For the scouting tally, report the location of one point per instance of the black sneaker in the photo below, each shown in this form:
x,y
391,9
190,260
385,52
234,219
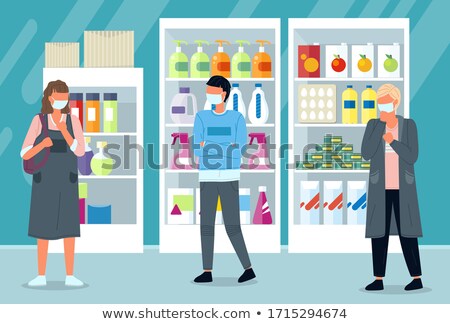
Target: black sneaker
x,y
376,285
204,277
248,274
415,284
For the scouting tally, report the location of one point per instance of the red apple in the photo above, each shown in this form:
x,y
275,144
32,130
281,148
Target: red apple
x,y
338,64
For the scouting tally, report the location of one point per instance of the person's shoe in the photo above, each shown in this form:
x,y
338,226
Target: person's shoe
x,y
204,277
376,285
248,274
39,281
73,282
415,284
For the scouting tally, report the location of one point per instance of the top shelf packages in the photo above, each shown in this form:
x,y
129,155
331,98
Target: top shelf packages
x,y
345,61
201,65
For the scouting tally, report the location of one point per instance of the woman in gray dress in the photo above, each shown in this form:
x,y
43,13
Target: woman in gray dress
x,y
57,136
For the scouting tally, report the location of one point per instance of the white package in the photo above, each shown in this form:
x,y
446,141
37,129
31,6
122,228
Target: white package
x,y
332,202
356,202
180,206
363,61
389,61
309,203
340,54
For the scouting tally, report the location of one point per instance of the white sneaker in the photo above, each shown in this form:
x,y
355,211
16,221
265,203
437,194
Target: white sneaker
x,y
39,281
73,281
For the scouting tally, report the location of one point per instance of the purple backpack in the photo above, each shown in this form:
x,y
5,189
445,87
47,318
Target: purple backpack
x,y
32,166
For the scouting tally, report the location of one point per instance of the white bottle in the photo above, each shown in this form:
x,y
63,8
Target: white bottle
x,y
235,101
258,111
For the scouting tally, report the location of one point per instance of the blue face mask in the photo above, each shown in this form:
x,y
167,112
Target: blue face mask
x,y
388,107
59,104
214,99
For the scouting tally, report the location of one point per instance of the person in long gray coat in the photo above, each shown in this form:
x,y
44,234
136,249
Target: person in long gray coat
x,y
391,145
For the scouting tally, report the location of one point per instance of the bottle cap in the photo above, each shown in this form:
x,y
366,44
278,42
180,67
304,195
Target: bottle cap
x,y
235,85
369,86
110,96
75,96
258,85
101,144
349,86
262,188
87,139
92,96
184,89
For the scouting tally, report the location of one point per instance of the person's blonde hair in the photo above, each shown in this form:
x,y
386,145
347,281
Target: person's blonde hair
x,y
391,90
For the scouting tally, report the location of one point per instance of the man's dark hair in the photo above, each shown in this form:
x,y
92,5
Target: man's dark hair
x,y
220,82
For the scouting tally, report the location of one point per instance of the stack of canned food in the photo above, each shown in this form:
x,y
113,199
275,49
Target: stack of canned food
x,y
333,154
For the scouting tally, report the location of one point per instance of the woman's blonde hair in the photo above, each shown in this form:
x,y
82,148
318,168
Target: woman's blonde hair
x,y
391,90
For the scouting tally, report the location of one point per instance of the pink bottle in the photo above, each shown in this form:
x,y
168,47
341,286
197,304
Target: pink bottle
x,y
261,155
262,211
182,159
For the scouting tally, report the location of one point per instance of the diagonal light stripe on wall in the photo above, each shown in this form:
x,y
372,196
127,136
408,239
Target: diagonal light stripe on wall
x,y
331,9
70,30
356,9
374,9
5,138
421,36
129,17
16,50
389,8
403,8
417,10
244,8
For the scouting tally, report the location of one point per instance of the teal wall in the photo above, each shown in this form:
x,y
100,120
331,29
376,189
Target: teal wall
x,y
26,25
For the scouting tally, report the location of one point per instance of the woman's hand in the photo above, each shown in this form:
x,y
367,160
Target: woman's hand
x,y
61,125
47,142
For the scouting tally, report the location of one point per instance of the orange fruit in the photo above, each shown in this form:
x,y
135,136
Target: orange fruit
x,y
311,65
364,64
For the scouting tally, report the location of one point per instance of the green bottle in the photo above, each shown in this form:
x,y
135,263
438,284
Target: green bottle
x,y
241,63
200,61
178,62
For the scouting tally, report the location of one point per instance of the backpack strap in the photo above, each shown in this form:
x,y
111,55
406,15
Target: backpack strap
x,y
44,124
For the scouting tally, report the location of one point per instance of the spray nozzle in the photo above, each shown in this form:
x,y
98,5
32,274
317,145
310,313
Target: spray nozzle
x,y
179,42
262,42
184,138
260,138
240,42
221,41
200,42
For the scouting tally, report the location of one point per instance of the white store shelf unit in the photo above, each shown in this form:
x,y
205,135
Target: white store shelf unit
x,y
345,238
123,188
186,238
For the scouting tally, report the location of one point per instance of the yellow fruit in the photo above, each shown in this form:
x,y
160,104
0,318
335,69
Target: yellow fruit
x,y
364,64
311,65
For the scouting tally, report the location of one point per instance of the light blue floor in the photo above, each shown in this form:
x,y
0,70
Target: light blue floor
x,y
167,278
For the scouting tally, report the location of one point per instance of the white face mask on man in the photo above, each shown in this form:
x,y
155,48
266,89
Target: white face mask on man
x,y
214,99
59,104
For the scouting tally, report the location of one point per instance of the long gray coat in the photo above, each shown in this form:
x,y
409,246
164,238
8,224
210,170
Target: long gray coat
x,y
407,148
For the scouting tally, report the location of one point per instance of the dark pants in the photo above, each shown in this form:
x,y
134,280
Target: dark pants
x,y
229,199
410,245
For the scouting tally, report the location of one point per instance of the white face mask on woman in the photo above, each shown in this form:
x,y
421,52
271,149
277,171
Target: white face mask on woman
x,y
388,107
59,104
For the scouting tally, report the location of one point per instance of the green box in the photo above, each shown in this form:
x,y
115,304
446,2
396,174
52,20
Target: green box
x,y
343,165
352,157
82,190
304,165
314,157
363,165
330,139
333,157
343,148
327,166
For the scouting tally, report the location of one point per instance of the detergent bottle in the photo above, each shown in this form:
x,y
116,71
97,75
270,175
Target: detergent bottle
x,y
349,106
178,62
182,157
258,111
241,64
262,211
259,159
262,63
183,107
220,63
84,162
200,61
368,104
235,101
102,164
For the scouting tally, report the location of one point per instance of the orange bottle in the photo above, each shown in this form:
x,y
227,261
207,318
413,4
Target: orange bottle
x,y
220,62
92,112
262,63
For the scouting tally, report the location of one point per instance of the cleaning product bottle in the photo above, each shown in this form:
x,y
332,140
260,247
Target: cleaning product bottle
x,y
182,158
262,211
368,104
183,107
235,101
200,61
262,64
220,63
349,106
259,159
84,162
178,62
258,111
102,164
241,64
